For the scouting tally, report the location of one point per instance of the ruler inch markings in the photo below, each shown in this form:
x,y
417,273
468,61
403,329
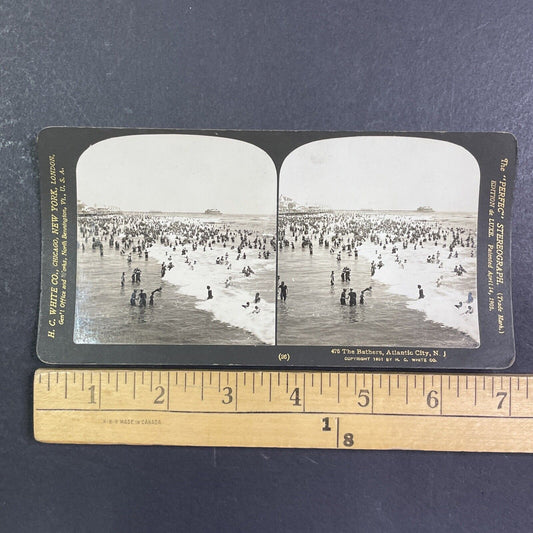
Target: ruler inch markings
x,y
510,396
441,394
168,389
303,395
236,390
372,393
60,411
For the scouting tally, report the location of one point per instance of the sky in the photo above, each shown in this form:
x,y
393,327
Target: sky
x,y
177,173
382,173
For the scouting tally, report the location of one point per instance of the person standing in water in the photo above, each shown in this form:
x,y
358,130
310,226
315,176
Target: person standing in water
x,y
283,291
332,278
343,297
420,292
133,297
123,279
209,293
362,295
142,299
352,295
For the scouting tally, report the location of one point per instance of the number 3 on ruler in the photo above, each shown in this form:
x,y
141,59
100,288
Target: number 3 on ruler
x,y
228,398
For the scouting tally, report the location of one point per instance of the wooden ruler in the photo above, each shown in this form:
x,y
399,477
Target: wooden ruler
x,y
290,409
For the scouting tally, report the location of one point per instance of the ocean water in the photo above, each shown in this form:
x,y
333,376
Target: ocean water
x,y
392,314
181,314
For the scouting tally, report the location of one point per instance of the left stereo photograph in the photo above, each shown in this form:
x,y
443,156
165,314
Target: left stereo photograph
x,y
175,233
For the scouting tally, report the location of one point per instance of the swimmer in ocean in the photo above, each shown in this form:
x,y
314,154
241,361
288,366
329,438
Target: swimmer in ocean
x,y
362,295
343,297
142,299
420,292
283,291
352,295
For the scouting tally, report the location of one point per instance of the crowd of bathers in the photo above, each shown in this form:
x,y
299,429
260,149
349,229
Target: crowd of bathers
x,y
393,238
345,232
134,235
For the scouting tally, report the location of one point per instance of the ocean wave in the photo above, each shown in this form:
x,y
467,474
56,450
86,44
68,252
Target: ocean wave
x,y
440,299
226,306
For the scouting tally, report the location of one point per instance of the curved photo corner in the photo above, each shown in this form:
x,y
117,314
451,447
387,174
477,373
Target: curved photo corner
x,y
378,244
176,242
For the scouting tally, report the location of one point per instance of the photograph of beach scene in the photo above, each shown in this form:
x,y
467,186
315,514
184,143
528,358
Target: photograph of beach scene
x,y
377,244
176,242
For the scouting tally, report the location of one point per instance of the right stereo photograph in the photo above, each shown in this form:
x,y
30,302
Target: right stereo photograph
x,y
377,242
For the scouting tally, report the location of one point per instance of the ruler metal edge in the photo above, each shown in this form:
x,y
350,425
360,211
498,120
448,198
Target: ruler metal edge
x,y
285,408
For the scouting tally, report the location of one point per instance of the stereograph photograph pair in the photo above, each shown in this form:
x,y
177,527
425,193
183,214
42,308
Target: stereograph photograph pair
x,y
267,248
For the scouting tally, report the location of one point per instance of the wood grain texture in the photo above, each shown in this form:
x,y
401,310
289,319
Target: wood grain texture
x,y
288,409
